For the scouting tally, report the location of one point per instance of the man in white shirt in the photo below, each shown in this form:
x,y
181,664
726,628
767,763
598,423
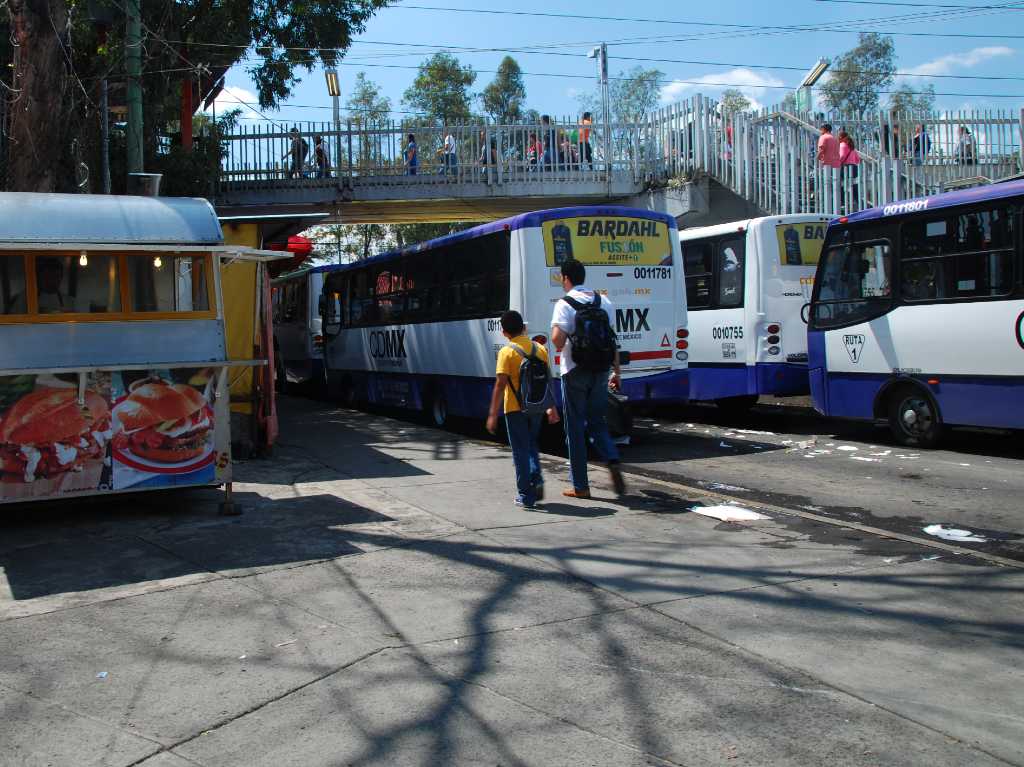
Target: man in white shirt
x,y
449,152
584,391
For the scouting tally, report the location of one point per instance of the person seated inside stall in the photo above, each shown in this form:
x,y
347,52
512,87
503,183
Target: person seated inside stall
x,y
51,295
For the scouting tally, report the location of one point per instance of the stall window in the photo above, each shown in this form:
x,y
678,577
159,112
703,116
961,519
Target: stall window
x,y
87,284
958,256
169,283
698,256
12,285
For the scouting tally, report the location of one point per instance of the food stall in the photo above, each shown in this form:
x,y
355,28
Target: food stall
x,y
114,370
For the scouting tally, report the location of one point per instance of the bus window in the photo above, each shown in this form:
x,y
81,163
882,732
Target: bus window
x,y
12,285
164,283
698,256
853,284
389,295
958,255
731,265
334,287
361,302
423,295
82,285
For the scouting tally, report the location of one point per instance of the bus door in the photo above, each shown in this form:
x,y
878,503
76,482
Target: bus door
x,y
290,327
715,270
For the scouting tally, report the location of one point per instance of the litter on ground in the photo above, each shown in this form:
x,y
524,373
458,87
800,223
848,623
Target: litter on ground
x,y
728,513
953,534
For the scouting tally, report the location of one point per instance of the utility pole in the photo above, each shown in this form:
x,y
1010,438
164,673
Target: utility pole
x,y
133,67
601,54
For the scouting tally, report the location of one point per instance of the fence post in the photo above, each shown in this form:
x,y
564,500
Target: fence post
x,y
348,137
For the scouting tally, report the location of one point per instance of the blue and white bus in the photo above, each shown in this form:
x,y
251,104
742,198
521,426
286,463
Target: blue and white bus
x,y
298,336
917,315
746,283
419,327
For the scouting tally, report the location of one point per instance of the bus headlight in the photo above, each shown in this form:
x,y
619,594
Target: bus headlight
x,y
682,356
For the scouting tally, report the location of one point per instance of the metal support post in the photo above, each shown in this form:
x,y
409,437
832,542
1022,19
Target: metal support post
x,y
105,135
133,67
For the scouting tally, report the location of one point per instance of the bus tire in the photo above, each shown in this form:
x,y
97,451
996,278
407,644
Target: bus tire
x,y
437,408
736,405
914,417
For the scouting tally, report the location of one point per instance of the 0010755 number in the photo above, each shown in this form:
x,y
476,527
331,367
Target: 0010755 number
x,y
652,273
729,332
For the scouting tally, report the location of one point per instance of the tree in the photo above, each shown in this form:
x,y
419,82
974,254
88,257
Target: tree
x,y
733,101
503,98
860,74
441,89
367,107
633,95
61,53
906,100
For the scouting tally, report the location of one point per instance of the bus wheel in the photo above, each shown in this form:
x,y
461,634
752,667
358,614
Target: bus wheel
x,y
736,405
913,419
438,409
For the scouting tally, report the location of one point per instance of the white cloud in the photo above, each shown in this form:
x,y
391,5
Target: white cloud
x,y
952,62
756,86
574,93
230,97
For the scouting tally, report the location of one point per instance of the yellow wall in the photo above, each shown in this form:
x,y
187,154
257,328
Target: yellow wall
x,y
238,282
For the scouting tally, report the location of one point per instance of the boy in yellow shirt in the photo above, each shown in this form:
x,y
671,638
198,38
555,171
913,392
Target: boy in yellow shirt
x,y
523,427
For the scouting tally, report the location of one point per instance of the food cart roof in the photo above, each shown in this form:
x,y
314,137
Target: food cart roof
x,y
107,219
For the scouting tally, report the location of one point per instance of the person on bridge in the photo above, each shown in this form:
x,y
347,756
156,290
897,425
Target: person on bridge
x,y
298,149
448,153
828,148
849,162
412,160
321,158
525,405
588,351
585,152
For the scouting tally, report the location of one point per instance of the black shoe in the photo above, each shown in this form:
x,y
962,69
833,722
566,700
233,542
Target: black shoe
x,y
538,491
618,483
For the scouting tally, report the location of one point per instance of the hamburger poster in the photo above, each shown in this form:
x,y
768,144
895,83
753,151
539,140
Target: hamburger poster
x,y
163,425
51,442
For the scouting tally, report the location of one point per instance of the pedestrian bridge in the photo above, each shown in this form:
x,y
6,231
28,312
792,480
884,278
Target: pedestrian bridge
x,y
765,160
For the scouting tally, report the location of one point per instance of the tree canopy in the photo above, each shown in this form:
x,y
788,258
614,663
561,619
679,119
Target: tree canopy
x,y
906,100
860,74
733,101
503,98
441,89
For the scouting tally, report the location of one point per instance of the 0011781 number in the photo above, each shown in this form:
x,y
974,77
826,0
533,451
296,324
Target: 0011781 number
x,y
726,333
493,325
652,273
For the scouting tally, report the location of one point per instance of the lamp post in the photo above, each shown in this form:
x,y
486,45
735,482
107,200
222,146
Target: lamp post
x,y
601,54
804,98
334,91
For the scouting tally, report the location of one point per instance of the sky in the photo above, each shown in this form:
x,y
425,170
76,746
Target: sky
x,y
949,38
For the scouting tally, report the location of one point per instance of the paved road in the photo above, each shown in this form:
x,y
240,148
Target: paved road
x,y
382,602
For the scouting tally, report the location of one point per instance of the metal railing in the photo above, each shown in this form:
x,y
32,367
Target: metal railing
x,y
768,157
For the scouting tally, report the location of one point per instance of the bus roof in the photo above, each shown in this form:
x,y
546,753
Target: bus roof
x,y
303,270
521,221
107,219
945,200
716,230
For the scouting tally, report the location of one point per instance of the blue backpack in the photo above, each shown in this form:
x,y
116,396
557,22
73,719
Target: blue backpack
x,y
534,379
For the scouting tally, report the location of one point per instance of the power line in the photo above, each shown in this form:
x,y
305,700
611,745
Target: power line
x,y
923,5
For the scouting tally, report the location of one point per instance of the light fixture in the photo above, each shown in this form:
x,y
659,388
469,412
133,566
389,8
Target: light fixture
x,y
816,72
158,262
83,259
333,88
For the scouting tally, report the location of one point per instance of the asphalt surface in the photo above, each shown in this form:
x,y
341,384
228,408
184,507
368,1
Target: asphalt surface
x,y
382,602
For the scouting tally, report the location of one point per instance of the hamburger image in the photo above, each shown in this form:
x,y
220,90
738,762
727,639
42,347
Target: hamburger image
x,y
163,423
49,440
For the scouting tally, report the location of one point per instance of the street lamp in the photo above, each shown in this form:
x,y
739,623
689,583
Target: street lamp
x,y
334,91
601,54
804,101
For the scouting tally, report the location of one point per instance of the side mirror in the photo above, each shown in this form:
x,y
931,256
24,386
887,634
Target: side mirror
x,y
805,312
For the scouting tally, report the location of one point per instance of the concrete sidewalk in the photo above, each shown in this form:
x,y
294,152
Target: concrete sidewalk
x,y
382,602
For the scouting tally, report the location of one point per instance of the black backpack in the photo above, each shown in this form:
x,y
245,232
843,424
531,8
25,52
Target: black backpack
x,y
593,341
534,378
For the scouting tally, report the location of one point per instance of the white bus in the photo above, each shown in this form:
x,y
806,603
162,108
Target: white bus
x,y
917,316
298,336
746,283
419,328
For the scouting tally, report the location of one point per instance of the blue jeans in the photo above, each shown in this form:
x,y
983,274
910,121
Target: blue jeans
x,y
584,406
523,431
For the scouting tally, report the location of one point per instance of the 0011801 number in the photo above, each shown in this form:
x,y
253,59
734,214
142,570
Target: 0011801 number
x,y
726,333
652,273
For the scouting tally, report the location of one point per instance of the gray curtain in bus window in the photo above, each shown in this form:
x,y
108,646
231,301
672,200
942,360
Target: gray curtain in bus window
x,y
731,267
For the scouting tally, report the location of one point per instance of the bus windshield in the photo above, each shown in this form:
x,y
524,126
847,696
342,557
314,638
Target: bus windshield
x,y
853,284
